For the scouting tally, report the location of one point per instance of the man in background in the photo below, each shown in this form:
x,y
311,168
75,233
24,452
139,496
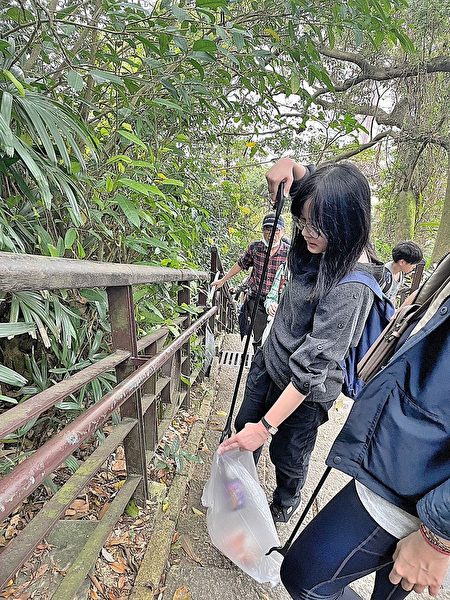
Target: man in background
x,y
405,257
253,258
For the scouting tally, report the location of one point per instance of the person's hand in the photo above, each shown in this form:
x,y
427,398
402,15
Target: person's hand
x,y
250,438
418,566
284,171
272,309
219,283
281,172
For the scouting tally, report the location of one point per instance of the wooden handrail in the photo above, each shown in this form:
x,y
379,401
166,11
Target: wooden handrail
x,y
27,272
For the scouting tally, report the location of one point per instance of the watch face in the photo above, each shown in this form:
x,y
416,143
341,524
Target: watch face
x,y
270,428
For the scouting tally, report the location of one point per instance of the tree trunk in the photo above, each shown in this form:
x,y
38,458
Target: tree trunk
x,y
406,204
442,244
406,216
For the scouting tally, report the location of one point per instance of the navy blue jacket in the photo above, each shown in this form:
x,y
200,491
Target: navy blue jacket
x,y
396,440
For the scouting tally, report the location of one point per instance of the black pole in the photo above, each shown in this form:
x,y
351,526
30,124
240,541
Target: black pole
x,y
278,208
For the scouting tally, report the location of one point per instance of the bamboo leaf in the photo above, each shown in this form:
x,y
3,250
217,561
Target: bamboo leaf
x,y
69,238
75,81
16,83
129,209
132,137
143,188
105,77
12,329
11,377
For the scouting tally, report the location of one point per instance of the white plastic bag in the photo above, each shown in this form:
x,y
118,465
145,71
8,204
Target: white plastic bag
x,y
210,349
239,521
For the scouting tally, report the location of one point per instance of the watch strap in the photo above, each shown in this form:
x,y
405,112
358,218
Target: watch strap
x,y
270,428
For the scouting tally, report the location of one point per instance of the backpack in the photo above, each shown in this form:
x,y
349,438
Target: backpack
x,y
379,316
407,315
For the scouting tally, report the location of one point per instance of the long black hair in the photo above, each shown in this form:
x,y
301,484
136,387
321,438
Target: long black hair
x,y
340,209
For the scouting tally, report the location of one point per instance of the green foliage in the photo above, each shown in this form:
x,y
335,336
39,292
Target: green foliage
x,y
133,133
173,456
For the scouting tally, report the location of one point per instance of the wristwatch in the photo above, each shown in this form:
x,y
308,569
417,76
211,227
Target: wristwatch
x,y
270,428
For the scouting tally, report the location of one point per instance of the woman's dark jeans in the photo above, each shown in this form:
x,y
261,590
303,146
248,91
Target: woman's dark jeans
x,y
290,448
342,544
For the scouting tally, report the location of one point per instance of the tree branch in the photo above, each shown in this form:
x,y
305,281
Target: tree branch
x,y
438,64
349,153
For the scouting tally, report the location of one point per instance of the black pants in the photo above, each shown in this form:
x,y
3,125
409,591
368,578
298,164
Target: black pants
x,y
342,544
290,448
260,321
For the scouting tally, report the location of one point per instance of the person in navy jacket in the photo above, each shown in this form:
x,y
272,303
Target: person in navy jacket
x,y
394,516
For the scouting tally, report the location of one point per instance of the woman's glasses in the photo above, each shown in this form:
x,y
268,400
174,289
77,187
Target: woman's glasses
x,y
301,223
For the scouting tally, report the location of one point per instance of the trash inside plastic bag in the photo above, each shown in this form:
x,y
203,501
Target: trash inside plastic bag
x,y
239,521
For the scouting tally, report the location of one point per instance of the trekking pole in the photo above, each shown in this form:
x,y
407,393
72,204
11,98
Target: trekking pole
x,y
283,549
278,208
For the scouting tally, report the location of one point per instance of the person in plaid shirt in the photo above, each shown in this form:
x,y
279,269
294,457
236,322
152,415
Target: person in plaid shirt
x,y
253,258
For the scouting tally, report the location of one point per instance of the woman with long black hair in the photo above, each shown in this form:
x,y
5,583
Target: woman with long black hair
x,y
295,378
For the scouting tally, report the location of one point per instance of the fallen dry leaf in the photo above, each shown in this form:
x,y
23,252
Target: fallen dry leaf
x,y
98,490
97,584
175,537
182,593
108,556
15,519
118,465
187,547
122,540
197,512
80,505
42,569
118,567
10,532
103,510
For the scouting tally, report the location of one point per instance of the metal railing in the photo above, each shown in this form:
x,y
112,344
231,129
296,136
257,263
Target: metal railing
x,y
151,374
222,298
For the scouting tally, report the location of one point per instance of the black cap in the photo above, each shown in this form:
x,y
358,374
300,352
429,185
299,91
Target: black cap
x,y
269,221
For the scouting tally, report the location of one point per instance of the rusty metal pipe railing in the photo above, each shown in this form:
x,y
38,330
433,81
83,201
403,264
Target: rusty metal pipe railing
x,y
29,474
20,414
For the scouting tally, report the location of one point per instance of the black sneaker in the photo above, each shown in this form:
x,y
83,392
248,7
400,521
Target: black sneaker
x,y
282,514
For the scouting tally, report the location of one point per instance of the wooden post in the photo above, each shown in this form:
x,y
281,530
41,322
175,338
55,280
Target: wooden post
x,y
201,301
151,414
123,329
184,296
